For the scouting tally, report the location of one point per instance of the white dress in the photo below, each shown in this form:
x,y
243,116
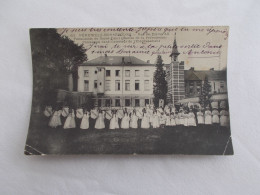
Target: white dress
x,y
224,119
70,121
215,117
114,122
186,118
125,122
168,120
173,122
55,119
191,119
208,118
85,121
100,124
200,118
156,122
145,122
133,121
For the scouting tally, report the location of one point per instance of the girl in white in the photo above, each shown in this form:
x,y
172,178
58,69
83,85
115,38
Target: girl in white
x,y
224,119
215,117
168,120
125,121
173,122
200,117
114,121
155,120
70,120
162,120
145,121
186,118
100,124
55,119
181,117
85,120
133,120
208,118
191,119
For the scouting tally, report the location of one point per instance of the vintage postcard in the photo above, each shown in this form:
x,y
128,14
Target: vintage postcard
x,y
124,90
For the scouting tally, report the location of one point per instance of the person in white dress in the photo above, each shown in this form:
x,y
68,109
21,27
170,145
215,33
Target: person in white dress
x,y
224,118
215,116
186,118
155,120
191,119
93,117
85,120
55,120
125,121
181,117
79,115
200,118
162,120
100,123
70,120
133,120
145,121
168,120
173,122
208,117
114,121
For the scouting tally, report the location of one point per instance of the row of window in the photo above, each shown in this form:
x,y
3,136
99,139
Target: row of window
x,y
127,102
117,73
118,85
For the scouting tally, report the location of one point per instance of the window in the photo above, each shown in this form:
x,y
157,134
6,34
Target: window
x,y
221,84
108,85
191,87
86,85
146,85
127,102
95,84
137,102
117,102
117,87
108,103
108,73
86,73
137,85
117,73
137,73
95,72
146,101
146,73
127,73
127,85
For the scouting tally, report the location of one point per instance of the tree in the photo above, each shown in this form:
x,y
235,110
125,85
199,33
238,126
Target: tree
x,y
205,93
160,83
53,58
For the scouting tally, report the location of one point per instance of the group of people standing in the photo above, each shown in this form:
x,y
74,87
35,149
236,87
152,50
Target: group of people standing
x,y
148,117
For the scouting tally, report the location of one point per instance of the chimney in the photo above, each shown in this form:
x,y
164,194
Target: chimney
x,y
192,68
148,61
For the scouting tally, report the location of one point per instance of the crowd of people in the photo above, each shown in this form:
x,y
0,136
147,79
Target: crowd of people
x,y
145,118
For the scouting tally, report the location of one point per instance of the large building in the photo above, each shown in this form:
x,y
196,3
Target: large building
x,y
117,81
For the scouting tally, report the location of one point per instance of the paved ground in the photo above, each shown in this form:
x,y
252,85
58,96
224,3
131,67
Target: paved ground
x,y
170,140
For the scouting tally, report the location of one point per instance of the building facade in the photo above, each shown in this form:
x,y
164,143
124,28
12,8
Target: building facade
x,y
117,81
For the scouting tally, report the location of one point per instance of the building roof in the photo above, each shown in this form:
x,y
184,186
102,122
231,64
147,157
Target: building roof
x,y
116,61
213,75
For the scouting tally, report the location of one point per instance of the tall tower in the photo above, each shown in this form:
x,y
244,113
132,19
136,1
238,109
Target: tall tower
x,y
176,85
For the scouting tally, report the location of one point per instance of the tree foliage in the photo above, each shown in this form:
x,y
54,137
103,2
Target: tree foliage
x,y
160,83
205,93
53,58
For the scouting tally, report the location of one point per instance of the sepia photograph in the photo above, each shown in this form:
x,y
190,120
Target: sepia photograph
x,y
130,90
